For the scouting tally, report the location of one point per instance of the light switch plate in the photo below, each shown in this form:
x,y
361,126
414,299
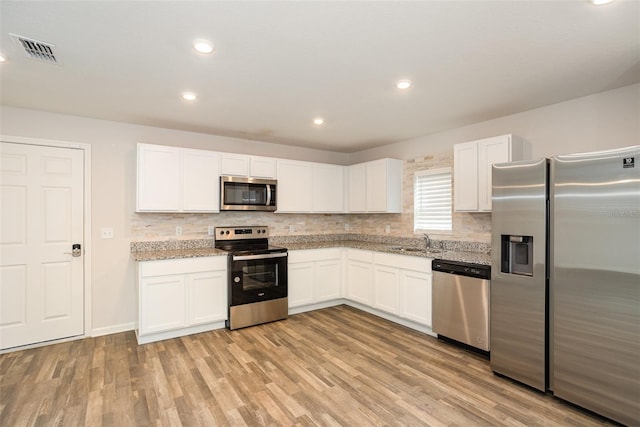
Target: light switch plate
x,y
212,230
178,231
106,233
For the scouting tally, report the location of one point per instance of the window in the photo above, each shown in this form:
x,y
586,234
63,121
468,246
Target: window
x,y
432,200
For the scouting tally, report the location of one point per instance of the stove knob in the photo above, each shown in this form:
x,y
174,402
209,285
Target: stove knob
x,y
221,233
227,232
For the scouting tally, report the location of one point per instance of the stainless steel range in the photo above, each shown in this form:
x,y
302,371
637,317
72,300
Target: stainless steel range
x,y
257,276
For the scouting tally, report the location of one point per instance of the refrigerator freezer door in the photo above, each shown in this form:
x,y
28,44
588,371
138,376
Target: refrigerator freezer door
x,y
595,282
518,301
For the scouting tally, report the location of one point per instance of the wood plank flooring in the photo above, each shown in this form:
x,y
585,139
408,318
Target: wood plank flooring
x,y
337,366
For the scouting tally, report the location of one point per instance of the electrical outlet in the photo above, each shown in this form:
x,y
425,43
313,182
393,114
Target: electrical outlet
x,y
387,229
106,233
212,230
292,228
178,231
347,227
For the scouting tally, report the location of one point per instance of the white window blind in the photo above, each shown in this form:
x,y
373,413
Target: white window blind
x,y
432,204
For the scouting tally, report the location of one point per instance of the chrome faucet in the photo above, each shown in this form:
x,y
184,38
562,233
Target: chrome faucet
x,y
427,240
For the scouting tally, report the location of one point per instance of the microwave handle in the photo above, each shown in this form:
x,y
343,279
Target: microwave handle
x,y
268,195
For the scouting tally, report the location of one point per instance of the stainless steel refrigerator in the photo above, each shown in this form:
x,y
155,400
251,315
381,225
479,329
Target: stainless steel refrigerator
x,y
565,278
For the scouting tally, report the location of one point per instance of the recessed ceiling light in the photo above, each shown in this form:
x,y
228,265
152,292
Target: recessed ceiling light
x,y
403,84
203,46
600,2
189,96
318,121
2,58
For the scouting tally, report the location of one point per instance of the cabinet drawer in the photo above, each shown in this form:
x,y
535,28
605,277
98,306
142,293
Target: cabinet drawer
x,y
181,266
310,255
404,262
360,255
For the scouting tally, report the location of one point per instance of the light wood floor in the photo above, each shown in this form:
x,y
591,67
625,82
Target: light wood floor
x,y
338,366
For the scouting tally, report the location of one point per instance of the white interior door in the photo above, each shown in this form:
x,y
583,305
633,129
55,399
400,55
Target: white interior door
x,y
41,208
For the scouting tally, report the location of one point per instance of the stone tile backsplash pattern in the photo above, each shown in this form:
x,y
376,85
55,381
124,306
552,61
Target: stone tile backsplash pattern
x,y
466,226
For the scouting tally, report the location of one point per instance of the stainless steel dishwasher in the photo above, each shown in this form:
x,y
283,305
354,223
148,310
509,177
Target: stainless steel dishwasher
x,y
461,302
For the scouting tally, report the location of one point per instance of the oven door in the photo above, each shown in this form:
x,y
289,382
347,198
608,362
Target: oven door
x,y
255,278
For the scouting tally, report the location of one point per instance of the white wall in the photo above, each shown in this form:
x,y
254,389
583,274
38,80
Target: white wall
x,y
606,120
113,165
597,122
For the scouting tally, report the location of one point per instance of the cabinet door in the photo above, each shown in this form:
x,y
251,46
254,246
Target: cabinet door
x,y
200,181
300,278
234,164
357,188
158,178
207,297
360,282
416,297
376,186
328,283
163,303
294,186
386,289
465,176
328,188
490,151
263,167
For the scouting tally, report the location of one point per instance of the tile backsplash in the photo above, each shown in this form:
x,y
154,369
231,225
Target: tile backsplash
x,y
466,226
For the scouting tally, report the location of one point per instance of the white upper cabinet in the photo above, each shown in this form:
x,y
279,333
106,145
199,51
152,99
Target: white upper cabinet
x,y
357,188
263,167
472,163
294,186
158,178
200,181
375,186
234,164
307,187
328,188
171,179
250,166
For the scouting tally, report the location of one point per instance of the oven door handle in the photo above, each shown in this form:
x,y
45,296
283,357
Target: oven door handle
x,y
263,256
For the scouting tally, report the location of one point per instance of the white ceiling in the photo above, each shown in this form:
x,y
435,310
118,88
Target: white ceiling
x,y
280,64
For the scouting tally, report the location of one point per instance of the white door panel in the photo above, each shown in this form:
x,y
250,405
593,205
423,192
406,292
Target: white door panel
x,y
42,215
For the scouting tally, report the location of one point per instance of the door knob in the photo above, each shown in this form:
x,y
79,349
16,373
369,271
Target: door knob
x,y
76,250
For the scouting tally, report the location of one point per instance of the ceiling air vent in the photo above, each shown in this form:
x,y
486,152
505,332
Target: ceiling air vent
x,y
36,49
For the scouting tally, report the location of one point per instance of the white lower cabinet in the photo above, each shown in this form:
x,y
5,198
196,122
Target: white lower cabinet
x,y
416,297
386,288
314,276
180,297
403,286
328,279
301,277
397,287
360,276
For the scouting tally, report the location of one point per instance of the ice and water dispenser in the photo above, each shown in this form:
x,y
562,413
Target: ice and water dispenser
x,y
517,255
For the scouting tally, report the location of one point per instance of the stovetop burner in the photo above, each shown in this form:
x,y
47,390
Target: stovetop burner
x,y
245,240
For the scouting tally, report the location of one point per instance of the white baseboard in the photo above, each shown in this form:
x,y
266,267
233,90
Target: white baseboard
x,y
404,322
114,329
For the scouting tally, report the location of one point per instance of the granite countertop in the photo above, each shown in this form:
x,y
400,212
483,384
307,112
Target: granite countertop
x,y
449,255
161,250
160,254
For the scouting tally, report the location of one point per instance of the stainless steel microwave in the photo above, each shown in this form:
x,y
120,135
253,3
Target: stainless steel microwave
x,y
247,194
